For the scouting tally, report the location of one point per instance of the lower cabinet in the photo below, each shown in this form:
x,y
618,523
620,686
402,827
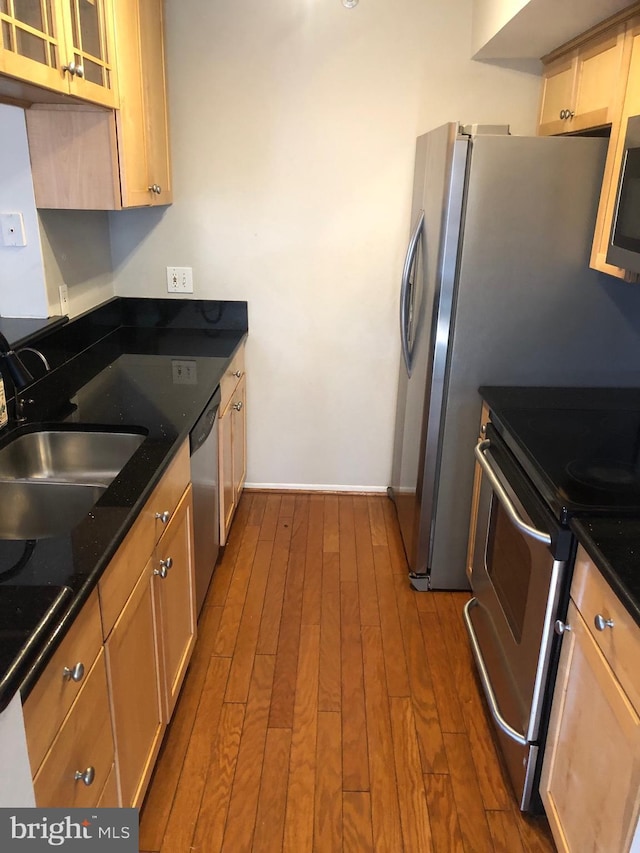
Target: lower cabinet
x,y
590,783
148,651
96,718
174,597
232,457
134,682
77,766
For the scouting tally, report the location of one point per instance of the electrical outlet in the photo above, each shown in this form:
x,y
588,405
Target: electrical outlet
x,y
12,229
185,371
179,279
63,293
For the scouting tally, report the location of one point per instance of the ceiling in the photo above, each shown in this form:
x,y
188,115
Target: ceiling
x,y
542,25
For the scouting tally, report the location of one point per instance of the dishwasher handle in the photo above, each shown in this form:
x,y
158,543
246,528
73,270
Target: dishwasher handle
x,y
204,425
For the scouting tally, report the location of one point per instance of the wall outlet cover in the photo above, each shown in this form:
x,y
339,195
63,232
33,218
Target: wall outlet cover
x,y
179,280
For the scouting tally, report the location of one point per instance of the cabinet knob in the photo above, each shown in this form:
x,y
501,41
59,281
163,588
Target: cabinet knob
x,y
163,516
165,565
560,627
87,776
158,189
74,70
601,623
155,188
238,406
75,674
238,374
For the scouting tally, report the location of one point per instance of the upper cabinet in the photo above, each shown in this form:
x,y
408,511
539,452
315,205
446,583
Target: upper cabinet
x,y
578,87
593,84
84,158
63,46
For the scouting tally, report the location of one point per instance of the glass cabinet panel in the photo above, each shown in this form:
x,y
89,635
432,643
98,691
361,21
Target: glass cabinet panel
x,y
90,41
29,30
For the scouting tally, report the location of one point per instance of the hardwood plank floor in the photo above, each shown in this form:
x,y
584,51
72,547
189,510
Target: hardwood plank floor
x,y
327,706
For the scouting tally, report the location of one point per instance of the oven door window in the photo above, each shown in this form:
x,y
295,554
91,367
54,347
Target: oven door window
x,y
508,564
626,232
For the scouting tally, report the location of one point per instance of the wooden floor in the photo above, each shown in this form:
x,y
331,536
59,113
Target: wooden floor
x,y
328,707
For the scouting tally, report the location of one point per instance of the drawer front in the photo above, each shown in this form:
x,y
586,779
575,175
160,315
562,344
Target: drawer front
x,y
232,375
166,496
61,681
121,575
619,642
84,745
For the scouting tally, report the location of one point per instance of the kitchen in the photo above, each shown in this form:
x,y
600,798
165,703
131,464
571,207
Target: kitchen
x,y
305,224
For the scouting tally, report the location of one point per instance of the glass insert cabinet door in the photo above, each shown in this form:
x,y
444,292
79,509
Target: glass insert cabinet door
x,y
63,45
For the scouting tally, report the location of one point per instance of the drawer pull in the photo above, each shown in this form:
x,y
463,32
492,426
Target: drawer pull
x,y
87,776
601,623
165,565
75,674
163,516
560,627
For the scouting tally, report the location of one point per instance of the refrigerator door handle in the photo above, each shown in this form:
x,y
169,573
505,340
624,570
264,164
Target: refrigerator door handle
x,y
405,292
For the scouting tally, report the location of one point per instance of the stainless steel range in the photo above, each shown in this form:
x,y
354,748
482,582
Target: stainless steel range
x,y
548,455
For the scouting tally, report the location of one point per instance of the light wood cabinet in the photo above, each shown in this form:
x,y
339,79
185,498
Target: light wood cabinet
x,y
630,105
76,767
232,442
149,624
88,159
579,88
134,684
590,783
175,600
64,46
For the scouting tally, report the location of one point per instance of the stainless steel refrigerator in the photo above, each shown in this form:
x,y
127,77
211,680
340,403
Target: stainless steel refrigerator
x,y
495,290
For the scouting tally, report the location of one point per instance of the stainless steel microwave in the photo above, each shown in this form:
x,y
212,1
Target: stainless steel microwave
x,y
624,242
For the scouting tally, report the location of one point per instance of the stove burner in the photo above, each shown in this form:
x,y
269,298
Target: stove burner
x,y
605,474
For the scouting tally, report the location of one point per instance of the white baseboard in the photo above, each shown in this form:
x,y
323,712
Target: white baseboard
x,y
305,487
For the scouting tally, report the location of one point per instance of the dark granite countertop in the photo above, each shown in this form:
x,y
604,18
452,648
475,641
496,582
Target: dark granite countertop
x,y
614,546
124,376
20,331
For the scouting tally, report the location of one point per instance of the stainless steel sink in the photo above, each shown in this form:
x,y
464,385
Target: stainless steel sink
x,y
41,509
66,456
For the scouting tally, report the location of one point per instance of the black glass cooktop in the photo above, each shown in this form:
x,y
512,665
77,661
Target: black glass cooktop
x,y
583,461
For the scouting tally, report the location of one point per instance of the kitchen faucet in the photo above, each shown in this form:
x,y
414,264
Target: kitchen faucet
x,y
20,376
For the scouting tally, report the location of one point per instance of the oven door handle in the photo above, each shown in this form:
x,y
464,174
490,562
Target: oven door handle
x,y
504,498
486,681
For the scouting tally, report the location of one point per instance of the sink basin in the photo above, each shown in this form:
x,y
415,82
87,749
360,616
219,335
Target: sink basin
x,y
67,456
41,509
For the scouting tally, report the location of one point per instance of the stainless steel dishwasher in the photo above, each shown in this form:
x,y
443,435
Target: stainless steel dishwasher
x,y
203,442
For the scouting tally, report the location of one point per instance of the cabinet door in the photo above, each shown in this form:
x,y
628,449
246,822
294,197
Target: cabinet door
x,y
225,471
90,50
134,681
591,773
32,42
598,76
174,592
557,96
154,88
239,434
630,105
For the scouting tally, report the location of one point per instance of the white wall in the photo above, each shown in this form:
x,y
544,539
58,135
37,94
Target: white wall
x,y
22,289
76,251
293,129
